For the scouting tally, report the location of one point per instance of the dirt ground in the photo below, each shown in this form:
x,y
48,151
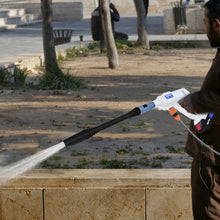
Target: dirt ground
x,y
32,120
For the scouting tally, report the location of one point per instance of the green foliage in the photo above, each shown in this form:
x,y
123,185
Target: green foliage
x,y
56,79
16,79
141,124
139,152
124,127
93,46
5,76
60,58
82,163
156,164
114,164
20,76
77,153
142,162
121,152
171,149
125,44
162,158
77,52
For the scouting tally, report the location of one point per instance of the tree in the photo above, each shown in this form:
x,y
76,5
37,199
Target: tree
x,y
141,23
112,53
53,78
48,42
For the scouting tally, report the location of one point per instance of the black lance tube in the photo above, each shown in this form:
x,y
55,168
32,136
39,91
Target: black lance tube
x,y
87,133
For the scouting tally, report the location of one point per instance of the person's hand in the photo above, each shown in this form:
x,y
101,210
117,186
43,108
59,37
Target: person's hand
x,y
187,104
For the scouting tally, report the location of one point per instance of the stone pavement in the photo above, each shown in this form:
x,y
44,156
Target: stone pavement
x,y
25,43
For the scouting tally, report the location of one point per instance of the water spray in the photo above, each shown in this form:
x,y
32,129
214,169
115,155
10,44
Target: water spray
x,y
168,101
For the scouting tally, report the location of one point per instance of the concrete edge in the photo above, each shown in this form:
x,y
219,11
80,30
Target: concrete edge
x,y
74,178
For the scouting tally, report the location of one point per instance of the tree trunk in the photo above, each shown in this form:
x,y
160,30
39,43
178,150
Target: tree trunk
x,y
101,36
141,23
108,35
47,30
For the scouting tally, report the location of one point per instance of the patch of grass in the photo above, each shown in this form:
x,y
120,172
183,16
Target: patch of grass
x,y
5,76
138,152
141,162
114,164
66,166
45,164
60,58
77,52
161,157
171,149
94,46
56,79
141,124
20,76
156,46
180,150
17,79
156,164
77,153
128,147
82,163
144,161
124,127
187,162
122,152
125,44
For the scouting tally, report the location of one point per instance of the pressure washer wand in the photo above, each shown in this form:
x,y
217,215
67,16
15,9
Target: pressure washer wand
x,y
87,133
162,102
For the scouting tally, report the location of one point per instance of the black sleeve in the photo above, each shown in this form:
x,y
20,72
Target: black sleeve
x,y
206,101
115,15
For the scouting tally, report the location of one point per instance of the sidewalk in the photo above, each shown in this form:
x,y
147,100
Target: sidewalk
x,y
25,43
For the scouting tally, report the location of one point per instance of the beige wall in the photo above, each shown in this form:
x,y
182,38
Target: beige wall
x,y
126,7
98,194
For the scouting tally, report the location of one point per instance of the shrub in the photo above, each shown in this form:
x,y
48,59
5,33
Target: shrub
x,y
56,79
15,79
19,77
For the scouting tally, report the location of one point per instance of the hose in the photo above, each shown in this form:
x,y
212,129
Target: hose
x,y
176,116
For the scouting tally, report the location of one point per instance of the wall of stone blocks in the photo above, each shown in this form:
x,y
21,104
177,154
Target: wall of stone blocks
x,y
98,194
